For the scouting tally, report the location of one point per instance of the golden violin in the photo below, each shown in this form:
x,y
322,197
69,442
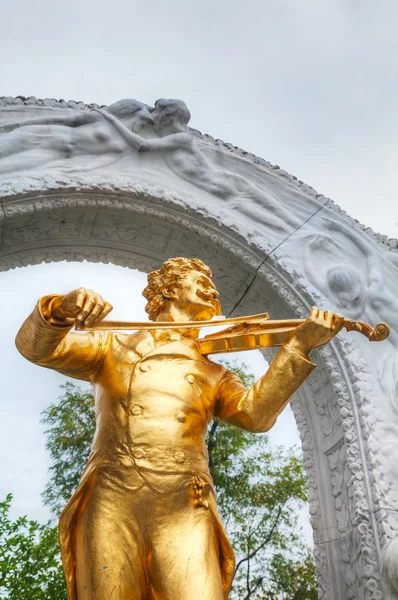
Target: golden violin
x,y
245,333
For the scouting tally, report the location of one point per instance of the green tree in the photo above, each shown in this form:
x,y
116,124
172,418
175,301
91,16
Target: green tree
x,y
259,490
71,427
292,578
30,565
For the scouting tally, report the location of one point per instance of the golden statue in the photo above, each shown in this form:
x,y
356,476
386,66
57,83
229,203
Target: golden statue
x,y
143,523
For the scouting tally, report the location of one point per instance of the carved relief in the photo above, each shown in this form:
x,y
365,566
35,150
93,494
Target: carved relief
x,y
50,226
152,202
37,142
92,254
358,566
341,488
128,128
365,287
324,590
326,402
320,551
137,232
357,286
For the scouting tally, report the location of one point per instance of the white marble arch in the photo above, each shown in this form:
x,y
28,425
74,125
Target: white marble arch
x,y
138,216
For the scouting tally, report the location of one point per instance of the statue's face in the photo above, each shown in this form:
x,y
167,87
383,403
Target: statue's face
x,y
197,296
142,118
161,118
346,284
172,114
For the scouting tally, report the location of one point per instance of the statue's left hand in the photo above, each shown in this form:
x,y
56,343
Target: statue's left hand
x,y
318,329
80,305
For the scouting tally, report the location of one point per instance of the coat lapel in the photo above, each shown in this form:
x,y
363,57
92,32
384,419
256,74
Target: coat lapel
x,y
143,344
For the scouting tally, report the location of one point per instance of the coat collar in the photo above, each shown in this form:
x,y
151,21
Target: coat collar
x,y
145,344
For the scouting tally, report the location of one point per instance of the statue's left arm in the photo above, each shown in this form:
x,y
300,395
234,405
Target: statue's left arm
x,y
46,340
256,409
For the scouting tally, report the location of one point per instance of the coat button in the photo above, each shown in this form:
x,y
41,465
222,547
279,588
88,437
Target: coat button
x,y
144,367
179,457
190,378
136,410
181,417
138,453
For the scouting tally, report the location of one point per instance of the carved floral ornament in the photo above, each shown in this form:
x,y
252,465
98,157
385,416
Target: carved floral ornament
x,y
342,436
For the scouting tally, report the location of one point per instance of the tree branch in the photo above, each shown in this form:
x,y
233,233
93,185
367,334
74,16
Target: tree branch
x,y
267,539
248,571
211,443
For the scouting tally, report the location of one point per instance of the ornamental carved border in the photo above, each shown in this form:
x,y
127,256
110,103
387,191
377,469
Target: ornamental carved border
x,y
144,200
351,385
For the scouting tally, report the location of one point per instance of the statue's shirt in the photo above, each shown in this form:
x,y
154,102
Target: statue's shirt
x,y
154,402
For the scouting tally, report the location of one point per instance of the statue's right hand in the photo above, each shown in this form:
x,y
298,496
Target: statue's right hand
x,y
81,305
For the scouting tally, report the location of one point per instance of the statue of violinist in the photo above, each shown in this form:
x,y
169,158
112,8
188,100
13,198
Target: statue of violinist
x,y
143,522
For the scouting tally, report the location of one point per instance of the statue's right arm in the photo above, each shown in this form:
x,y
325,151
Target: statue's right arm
x,y
45,339
257,408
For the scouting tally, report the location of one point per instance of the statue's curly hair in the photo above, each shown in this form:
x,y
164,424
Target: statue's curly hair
x,y
170,276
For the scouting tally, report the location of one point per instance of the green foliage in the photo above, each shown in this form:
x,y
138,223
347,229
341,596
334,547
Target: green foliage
x,y
30,566
293,579
71,427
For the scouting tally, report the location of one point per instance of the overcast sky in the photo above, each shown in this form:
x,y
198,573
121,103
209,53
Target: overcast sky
x,y
310,85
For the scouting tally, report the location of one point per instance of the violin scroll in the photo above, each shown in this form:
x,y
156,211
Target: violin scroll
x,y
378,333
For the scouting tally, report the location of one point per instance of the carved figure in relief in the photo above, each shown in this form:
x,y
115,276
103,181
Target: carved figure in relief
x,y
359,297
39,141
143,522
368,297
183,157
107,133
